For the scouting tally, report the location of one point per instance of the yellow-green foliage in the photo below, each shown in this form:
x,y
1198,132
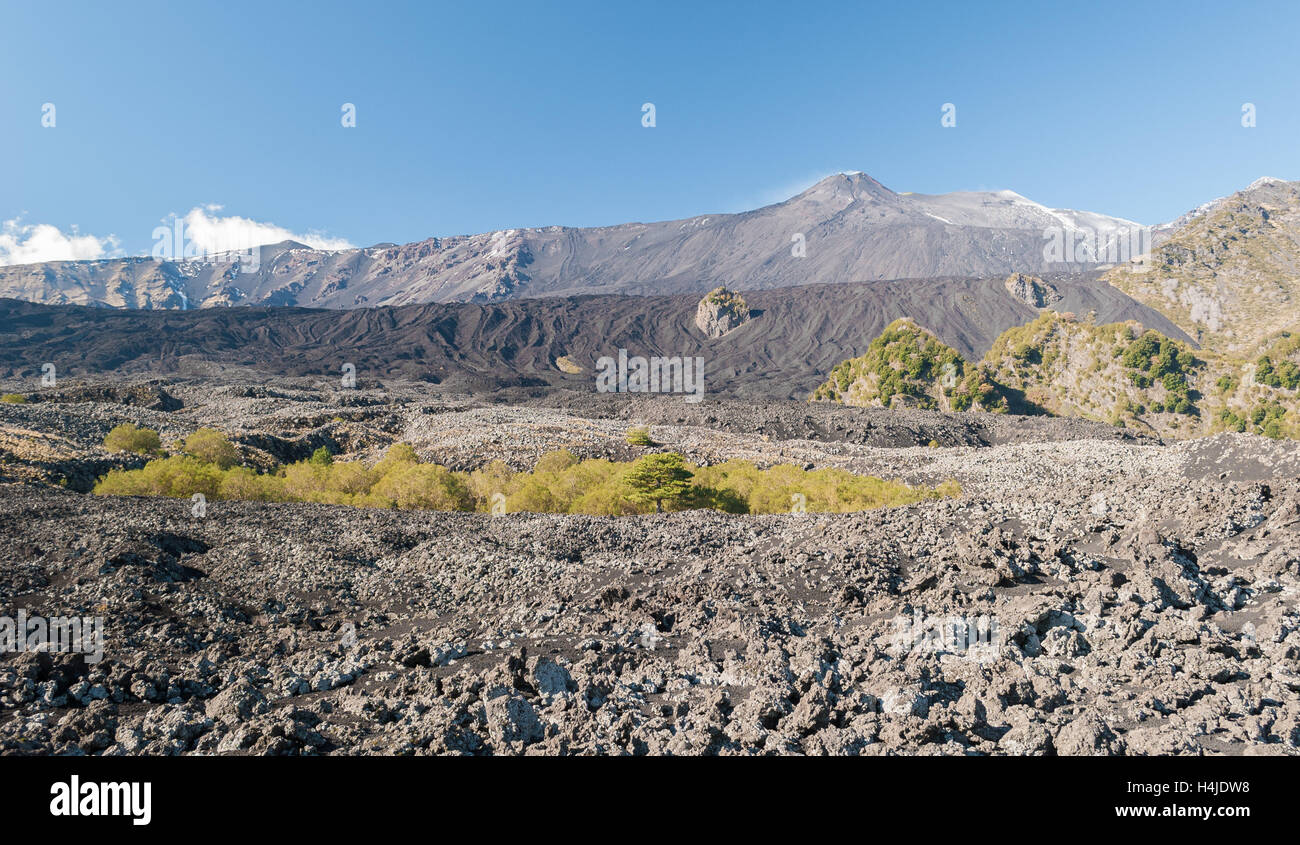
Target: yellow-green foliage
x,y
639,436
128,437
13,399
777,489
559,483
728,299
178,475
243,483
424,486
213,447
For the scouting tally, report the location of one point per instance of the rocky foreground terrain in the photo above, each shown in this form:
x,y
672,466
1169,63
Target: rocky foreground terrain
x,y
1132,597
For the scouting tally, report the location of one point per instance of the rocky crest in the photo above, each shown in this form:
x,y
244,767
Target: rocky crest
x,y
1228,276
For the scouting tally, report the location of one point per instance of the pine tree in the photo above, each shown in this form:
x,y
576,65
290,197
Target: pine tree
x,y
658,478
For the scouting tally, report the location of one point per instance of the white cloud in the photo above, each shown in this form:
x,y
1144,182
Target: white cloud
x,y
29,243
208,232
203,230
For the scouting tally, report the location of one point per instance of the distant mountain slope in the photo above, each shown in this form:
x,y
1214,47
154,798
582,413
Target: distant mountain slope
x,y
1229,274
792,339
846,228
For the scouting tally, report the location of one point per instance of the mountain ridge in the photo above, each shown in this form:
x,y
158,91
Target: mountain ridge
x,y
846,227
1230,275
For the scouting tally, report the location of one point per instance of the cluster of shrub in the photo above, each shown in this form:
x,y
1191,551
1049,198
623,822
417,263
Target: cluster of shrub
x,y
728,299
908,361
1278,370
1268,419
206,462
1284,374
1153,358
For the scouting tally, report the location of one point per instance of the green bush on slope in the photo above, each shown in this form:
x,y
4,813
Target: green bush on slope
x,y
908,365
128,437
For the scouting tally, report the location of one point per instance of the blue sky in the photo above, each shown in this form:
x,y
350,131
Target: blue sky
x,y
477,117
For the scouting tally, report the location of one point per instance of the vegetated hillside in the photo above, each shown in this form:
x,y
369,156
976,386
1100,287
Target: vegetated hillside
x,y
907,366
1129,375
792,339
1261,396
847,227
1230,275
1122,373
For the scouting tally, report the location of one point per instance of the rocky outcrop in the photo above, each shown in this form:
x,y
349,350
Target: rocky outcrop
x,y
1032,290
720,311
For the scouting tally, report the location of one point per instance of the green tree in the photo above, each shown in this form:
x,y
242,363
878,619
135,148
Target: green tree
x,y
658,478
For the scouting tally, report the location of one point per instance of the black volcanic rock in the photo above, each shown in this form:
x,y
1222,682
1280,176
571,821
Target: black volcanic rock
x,y
785,352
